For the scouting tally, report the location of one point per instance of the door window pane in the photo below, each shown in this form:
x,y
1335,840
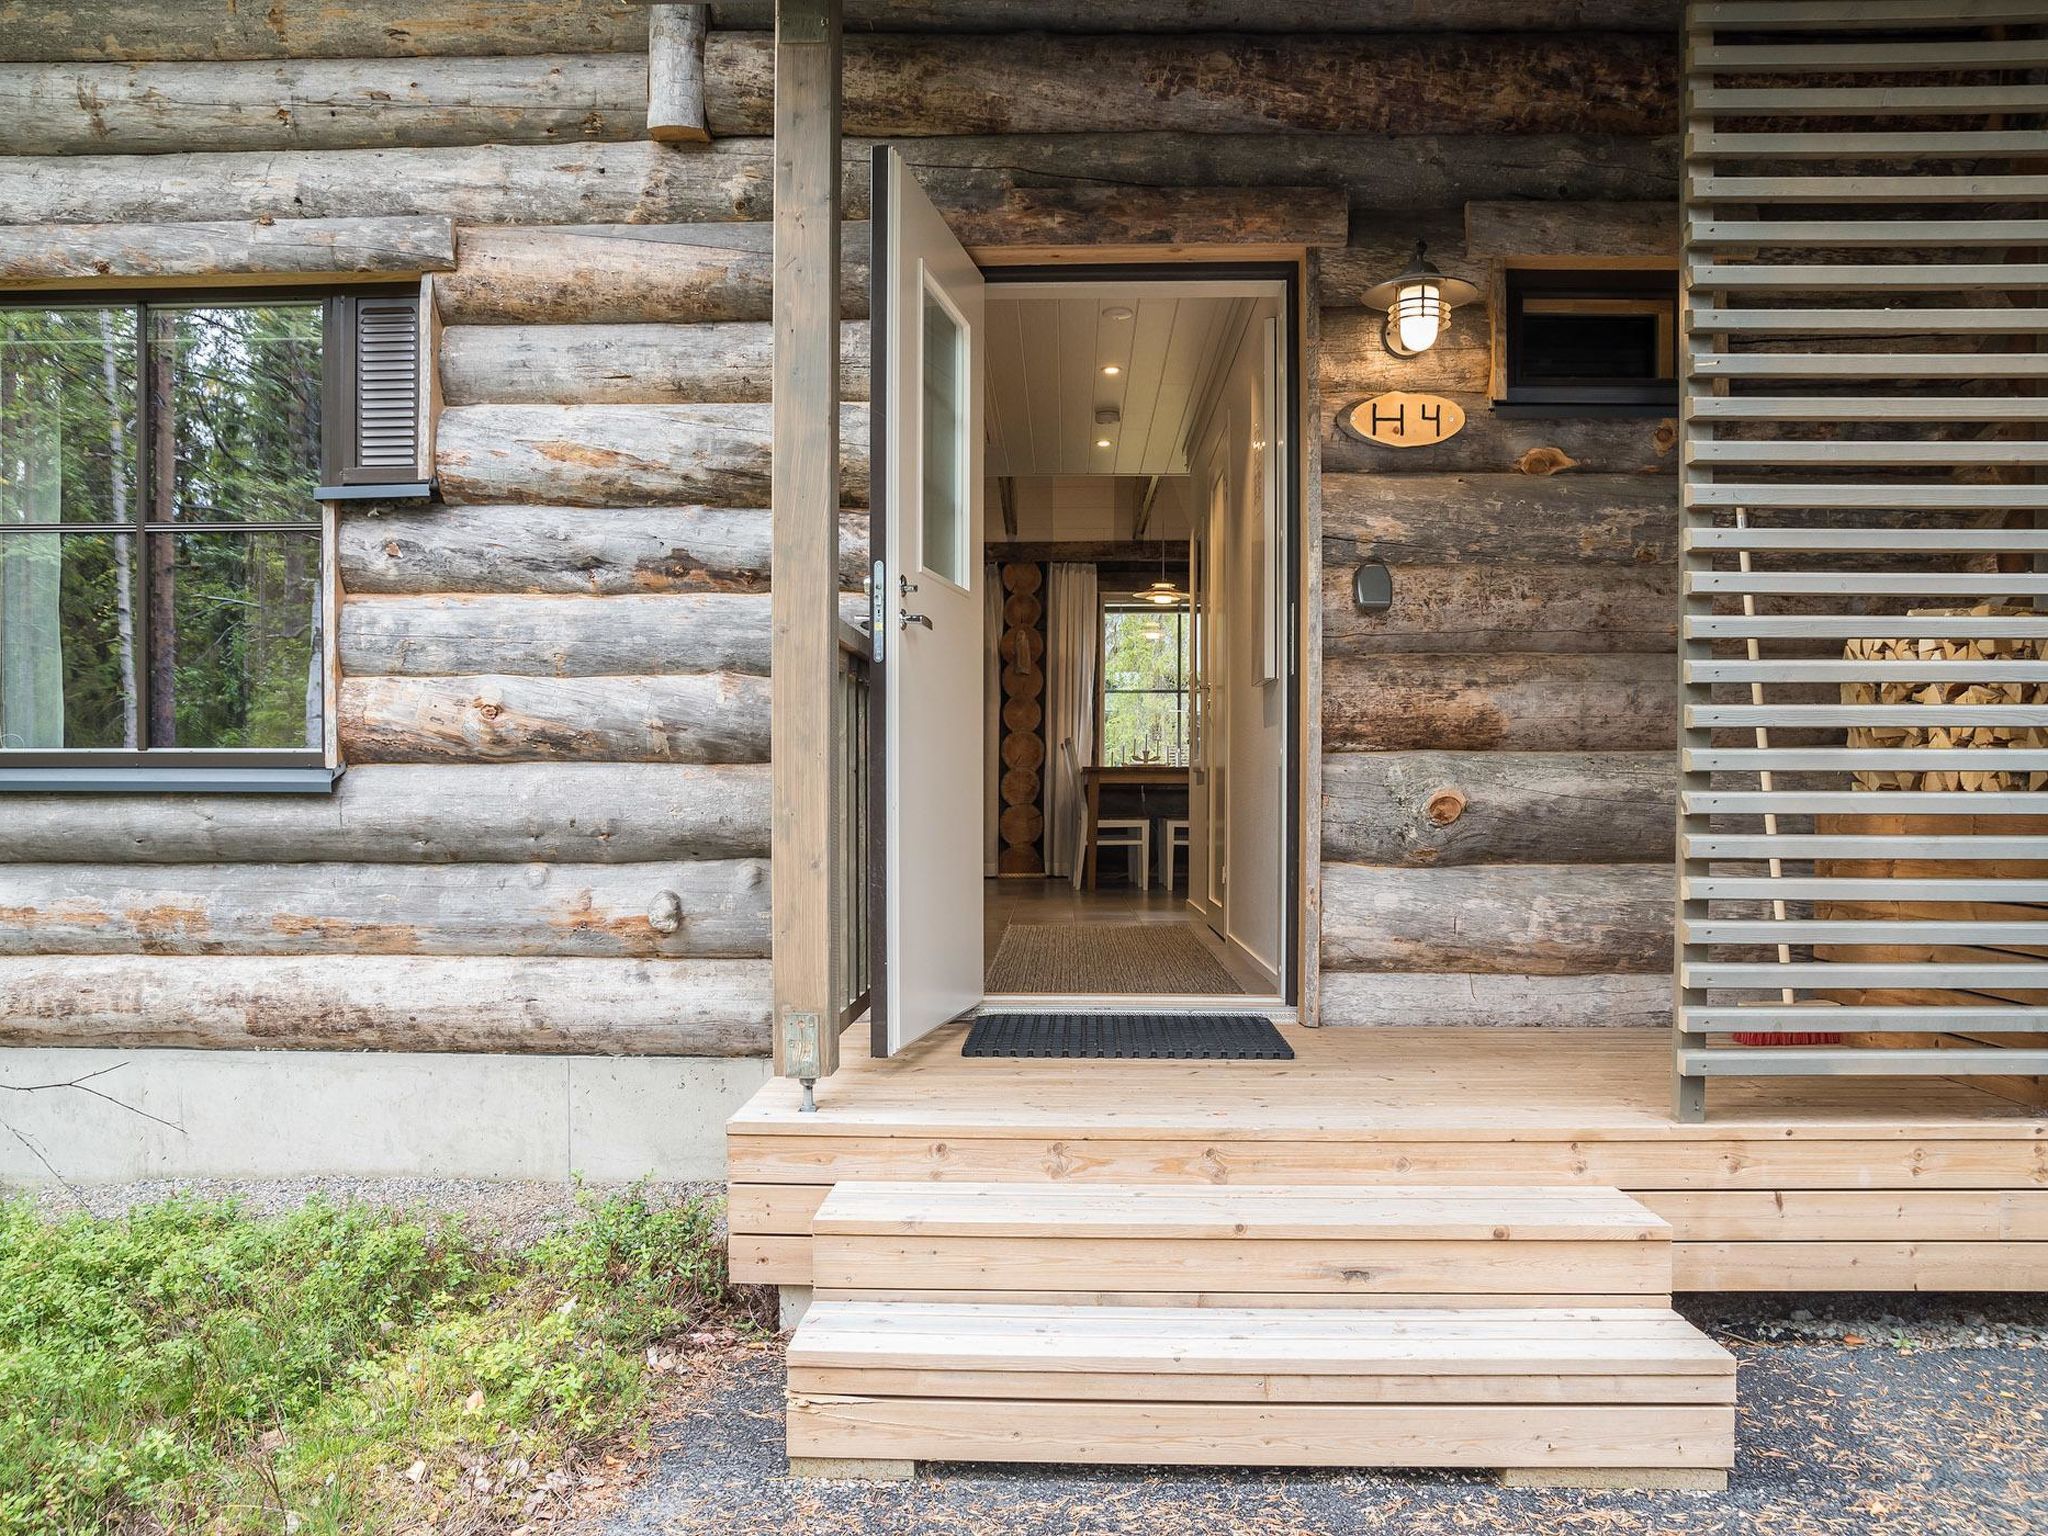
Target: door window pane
x,y
67,414
67,628
243,424
943,547
241,651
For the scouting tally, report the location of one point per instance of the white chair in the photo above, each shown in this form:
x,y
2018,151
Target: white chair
x,y
1133,833
1173,839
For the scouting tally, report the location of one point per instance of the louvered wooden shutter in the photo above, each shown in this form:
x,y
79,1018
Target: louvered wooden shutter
x,y
373,379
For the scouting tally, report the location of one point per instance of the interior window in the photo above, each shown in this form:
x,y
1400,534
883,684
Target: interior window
x,y
1144,685
942,549
160,545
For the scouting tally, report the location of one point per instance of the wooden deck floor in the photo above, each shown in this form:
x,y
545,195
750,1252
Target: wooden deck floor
x,y
1829,1184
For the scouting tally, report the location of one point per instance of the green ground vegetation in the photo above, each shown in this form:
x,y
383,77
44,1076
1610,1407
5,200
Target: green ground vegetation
x,y
192,1367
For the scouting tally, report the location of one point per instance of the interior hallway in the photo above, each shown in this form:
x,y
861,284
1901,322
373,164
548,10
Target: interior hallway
x,y
1016,903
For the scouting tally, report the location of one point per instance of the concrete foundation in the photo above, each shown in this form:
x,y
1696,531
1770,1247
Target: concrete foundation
x,y
283,1114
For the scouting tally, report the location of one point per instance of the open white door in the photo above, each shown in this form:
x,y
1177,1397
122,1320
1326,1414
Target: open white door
x,y
926,466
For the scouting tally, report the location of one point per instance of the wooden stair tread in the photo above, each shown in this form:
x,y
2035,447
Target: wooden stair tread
x,y
1378,1212
1475,1341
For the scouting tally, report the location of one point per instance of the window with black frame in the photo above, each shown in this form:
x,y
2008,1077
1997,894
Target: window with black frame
x,y
161,469
1597,341
1144,685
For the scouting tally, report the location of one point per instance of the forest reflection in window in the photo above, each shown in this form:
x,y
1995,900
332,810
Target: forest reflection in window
x,y
1144,685
159,537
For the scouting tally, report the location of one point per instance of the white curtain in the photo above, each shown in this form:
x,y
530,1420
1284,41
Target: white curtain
x,y
1074,640
991,712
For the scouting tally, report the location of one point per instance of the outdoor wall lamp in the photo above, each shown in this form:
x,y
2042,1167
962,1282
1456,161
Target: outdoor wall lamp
x,y
1418,303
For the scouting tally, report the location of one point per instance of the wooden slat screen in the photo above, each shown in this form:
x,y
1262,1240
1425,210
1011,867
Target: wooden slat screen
x,y
1864,637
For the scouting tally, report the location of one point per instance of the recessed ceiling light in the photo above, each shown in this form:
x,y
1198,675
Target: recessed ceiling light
x,y
1111,369
1116,312
1102,442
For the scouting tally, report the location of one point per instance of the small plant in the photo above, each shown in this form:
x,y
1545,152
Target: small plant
x,y
337,1369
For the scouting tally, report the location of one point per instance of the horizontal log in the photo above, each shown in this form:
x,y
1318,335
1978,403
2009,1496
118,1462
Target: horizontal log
x,y
589,813
1582,233
1500,703
731,179
1215,82
363,29
1468,1000
86,109
58,255
626,273
1500,519
1661,16
630,183
1352,360
1492,443
1151,216
1510,607
1504,919
297,29
717,717
526,1006
622,455
1423,808
625,364
706,907
594,550
643,634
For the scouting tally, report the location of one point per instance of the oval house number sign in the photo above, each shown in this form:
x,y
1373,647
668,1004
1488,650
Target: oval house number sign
x,y
1404,420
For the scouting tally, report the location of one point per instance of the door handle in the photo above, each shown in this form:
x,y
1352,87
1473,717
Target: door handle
x,y
905,618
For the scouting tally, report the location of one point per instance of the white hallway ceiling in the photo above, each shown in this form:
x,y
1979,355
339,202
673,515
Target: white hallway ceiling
x,y
1047,347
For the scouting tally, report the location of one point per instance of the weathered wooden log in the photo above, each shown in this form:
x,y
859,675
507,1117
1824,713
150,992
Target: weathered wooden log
x,y
1584,608
57,255
526,1005
1476,1000
1492,443
1500,703
611,274
616,364
717,717
642,183
682,908
1421,808
1503,919
1500,519
642,634
362,29
1352,360
1128,216
1211,82
118,30
1661,16
675,74
512,548
619,455
632,183
589,813
89,109
1584,233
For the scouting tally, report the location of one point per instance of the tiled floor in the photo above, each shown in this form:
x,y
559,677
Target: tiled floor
x,y
1056,901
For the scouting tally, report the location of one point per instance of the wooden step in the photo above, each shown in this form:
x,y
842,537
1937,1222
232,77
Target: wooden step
x,y
1253,1245
1515,1388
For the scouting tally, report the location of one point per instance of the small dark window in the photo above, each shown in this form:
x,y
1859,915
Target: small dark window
x,y
162,463
1601,340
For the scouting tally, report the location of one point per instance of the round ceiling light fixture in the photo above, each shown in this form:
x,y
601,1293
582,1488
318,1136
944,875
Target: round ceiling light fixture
x,y
1418,303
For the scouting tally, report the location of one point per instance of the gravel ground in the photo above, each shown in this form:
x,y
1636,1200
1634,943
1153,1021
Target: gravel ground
x,y
1868,1415
511,1214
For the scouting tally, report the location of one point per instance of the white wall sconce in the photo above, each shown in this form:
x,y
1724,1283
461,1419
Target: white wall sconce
x,y
1418,304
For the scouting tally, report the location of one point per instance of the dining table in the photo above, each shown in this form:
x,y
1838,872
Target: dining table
x,y
1126,776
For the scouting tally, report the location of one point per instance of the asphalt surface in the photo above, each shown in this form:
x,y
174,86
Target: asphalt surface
x,y
1857,1415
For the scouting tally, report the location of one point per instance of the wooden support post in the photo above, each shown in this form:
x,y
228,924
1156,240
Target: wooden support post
x,y
804,495
675,74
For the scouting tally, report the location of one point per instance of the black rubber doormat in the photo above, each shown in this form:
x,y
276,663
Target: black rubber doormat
x,y
1128,1037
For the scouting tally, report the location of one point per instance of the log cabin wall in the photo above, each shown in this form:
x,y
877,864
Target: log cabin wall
x,y
553,830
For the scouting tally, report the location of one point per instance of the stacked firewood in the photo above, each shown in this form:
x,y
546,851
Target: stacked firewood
x,y
1948,649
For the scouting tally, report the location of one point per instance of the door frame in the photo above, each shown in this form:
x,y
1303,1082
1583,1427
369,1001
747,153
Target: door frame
x,y
1301,814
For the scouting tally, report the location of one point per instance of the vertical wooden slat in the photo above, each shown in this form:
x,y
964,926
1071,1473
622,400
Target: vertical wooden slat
x,y
804,489
675,74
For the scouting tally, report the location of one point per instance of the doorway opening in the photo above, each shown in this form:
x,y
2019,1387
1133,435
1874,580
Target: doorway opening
x,y
1085,780
1136,561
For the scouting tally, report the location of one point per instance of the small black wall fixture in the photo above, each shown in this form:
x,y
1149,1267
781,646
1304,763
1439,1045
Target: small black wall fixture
x,y
1372,587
